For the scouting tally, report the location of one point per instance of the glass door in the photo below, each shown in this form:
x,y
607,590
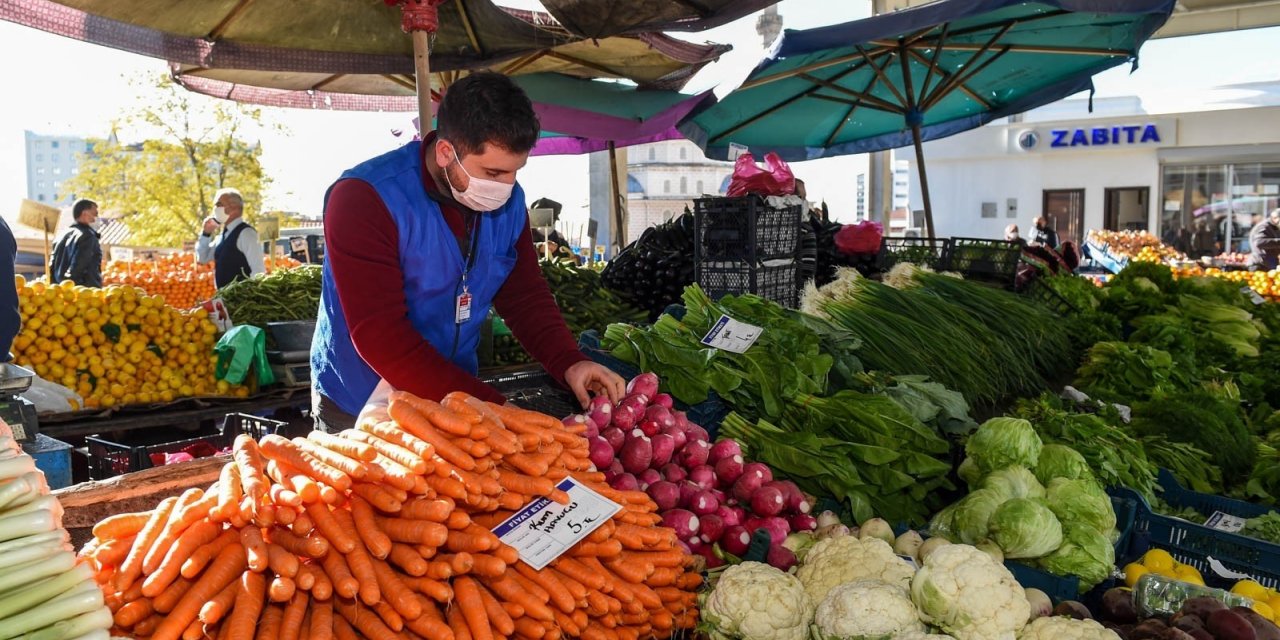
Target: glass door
x,y
1064,209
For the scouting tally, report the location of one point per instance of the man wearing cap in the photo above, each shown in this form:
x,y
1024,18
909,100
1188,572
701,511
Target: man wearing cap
x,y
236,253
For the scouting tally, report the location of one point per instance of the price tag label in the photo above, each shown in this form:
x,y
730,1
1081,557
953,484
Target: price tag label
x,y
1224,522
543,530
728,334
736,150
1254,296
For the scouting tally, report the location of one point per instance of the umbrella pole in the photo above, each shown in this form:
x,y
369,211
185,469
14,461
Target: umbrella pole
x,y
615,200
422,71
924,180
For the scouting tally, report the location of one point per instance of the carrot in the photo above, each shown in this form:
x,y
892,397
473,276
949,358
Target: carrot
x,y
378,497
342,538
433,509
287,516
570,567
507,553
310,546
560,595
424,426
131,568
377,542
472,539
511,591
342,629
364,620
280,589
440,570
344,584
321,587
228,566
147,626
269,625
487,566
458,520
576,589
353,467
201,557
414,531
281,562
400,455
252,467
597,604
450,487
666,559
609,549
434,589
214,610
362,568
133,612
349,448
265,516
321,627
474,448
396,475
633,573
394,592
530,628
291,624
458,623
302,525
165,602
431,623
194,631
514,610
282,495
473,608
121,525
281,449
112,552
511,501
389,432
230,493
663,576
538,486
567,625
408,559
198,535
528,464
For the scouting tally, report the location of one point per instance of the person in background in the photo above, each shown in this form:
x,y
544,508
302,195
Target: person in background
x,y
237,252
1011,234
558,241
1044,235
1203,242
1264,243
10,317
77,256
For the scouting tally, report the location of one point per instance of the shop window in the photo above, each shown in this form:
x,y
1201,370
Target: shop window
x,y
1210,209
40,197
57,171
54,144
666,186
39,171
684,183
39,157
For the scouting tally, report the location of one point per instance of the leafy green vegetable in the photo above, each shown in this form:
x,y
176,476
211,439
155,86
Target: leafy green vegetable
x,y
280,296
1192,466
1081,502
1207,420
1122,372
972,515
1004,442
1085,553
932,403
1014,482
1061,461
1264,527
1025,528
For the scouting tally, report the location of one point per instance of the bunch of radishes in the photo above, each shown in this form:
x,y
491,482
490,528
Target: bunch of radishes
x,y
707,493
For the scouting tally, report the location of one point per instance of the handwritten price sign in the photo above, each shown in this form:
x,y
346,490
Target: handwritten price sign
x,y
543,530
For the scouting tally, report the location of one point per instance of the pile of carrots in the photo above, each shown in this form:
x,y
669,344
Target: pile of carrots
x,y
383,531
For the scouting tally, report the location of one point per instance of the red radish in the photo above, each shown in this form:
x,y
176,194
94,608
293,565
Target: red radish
x,y
645,384
746,486
687,491
684,522
752,523
663,400
624,417
703,503
703,476
694,453
661,415
636,455
780,557
664,446
758,469
674,472
712,527
600,410
625,482
696,544
574,421
614,436
713,561
634,434
650,427
728,469
720,497
794,497
638,404
682,420
736,540
728,515
615,469
695,432
725,449
665,494
684,546
601,453
677,434
778,530
767,501
648,477
803,522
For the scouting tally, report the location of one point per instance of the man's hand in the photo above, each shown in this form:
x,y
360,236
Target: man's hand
x,y
587,376
210,225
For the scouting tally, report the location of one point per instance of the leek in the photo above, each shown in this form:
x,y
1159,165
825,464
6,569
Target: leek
x,y
21,490
59,535
32,552
24,574
73,628
96,634
84,598
43,591
27,523
14,466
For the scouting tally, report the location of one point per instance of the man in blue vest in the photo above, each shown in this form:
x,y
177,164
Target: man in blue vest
x,y
419,244
236,253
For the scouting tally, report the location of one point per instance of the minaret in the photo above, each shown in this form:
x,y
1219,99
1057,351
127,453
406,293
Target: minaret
x,y
769,25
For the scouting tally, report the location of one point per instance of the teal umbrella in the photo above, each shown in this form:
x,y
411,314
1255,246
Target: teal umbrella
x,y
923,73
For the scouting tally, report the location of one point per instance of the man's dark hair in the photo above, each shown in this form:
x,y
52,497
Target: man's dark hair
x,y
487,108
82,206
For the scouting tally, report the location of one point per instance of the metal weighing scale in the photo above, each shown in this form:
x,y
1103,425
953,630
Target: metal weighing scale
x,y
291,358
15,410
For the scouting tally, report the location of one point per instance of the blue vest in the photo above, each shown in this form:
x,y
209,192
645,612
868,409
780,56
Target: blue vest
x,y
432,265
229,262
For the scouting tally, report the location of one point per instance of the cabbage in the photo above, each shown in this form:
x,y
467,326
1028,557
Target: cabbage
x,y
1004,442
1014,482
1061,461
1084,553
1025,528
1081,502
970,473
943,524
973,513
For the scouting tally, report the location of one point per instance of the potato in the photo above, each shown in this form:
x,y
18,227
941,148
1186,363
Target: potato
x,y
1225,624
1264,628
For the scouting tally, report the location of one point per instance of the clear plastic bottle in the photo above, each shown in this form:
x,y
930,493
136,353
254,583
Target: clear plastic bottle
x,y
1155,595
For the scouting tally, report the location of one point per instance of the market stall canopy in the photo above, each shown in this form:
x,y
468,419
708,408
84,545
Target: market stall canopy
x,y
601,18
1194,17
922,73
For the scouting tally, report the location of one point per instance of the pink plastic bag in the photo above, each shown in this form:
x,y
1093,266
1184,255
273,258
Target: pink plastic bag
x,y
863,237
775,179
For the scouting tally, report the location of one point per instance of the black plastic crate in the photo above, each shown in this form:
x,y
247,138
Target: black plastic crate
x,y
1048,298
234,424
929,252
985,259
745,229
778,283
108,458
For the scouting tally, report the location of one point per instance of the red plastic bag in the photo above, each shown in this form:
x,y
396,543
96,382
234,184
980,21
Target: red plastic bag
x,y
863,237
774,179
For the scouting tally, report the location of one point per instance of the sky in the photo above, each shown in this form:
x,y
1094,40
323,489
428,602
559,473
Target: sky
x,y
68,87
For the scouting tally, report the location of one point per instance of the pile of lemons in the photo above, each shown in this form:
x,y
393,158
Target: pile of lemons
x,y
1158,561
117,345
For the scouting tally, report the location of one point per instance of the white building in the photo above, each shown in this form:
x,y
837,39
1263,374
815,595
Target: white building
x,y
50,161
1172,174
665,177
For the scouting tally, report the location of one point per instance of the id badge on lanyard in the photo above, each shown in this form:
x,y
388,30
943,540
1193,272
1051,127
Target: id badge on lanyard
x,y
462,307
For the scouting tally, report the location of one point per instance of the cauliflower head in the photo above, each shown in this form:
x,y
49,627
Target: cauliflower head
x,y
865,610
966,593
754,601
1062,628
922,635
835,561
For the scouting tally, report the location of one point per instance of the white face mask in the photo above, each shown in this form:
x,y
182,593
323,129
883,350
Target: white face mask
x,y
220,214
96,225
480,194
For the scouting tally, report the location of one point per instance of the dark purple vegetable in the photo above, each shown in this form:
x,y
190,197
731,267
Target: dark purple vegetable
x,y
712,527
1262,627
780,557
684,522
1229,625
660,415
728,469
729,515
1186,621
636,454
625,482
745,487
678,435
615,469
767,501
703,476
1117,606
600,452
1202,607
1200,634
703,503
1173,633
1072,609
1150,629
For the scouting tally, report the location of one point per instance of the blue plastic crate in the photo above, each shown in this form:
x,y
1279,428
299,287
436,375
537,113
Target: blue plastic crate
x,y
1178,496
53,458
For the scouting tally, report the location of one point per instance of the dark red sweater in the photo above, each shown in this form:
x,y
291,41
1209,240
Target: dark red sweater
x,y
362,246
